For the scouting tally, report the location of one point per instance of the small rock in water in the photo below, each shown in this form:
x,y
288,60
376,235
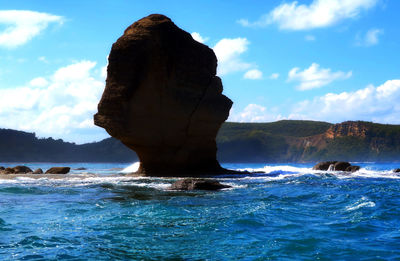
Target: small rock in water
x,y
15,170
323,165
353,168
58,170
81,168
38,171
8,171
198,184
341,166
336,166
21,170
396,170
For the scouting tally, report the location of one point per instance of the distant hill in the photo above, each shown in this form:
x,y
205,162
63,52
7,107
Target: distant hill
x,y
26,147
281,141
308,141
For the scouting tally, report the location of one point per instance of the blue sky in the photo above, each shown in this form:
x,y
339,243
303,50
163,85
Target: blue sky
x,y
328,60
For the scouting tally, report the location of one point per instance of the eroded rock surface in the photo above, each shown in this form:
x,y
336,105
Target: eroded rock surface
x,y
163,99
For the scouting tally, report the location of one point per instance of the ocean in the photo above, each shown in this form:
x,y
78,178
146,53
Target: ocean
x,y
289,213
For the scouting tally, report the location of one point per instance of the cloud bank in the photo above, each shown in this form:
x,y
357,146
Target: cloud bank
x,y
61,105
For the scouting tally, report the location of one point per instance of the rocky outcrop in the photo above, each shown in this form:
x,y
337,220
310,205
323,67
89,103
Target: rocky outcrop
x,y
341,166
197,184
58,170
396,170
15,170
163,99
38,171
8,171
336,166
324,165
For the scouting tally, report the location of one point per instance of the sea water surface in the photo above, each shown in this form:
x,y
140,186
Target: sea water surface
x,y
289,213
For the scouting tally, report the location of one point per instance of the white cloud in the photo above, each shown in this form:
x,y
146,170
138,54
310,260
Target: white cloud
x,y
38,82
199,38
254,113
228,52
22,25
370,38
253,74
315,77
319,13
309,38
274,76
377,104
61,105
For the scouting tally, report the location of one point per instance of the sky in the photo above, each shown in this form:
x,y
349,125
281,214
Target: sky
x,y
324,60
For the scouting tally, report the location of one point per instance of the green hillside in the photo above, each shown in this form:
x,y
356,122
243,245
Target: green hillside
x,y
281,141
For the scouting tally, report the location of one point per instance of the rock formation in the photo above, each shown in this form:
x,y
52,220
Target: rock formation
x,y
198,184
336,166
163,99
38,171
58,170
15,170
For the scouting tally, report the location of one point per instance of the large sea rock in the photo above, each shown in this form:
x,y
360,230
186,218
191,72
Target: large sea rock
x,y
163,99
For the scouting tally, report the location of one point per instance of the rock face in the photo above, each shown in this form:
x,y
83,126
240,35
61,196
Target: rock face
x,y
163,99
58,170
197,184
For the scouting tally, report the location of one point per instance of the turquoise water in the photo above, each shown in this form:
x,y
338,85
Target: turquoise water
x,y
291,212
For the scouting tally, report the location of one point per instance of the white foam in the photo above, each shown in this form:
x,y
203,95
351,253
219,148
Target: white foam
x,y
291,171
362,203
131,168
284,168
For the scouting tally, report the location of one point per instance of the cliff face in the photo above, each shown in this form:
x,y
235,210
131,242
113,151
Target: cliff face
x,y
346,129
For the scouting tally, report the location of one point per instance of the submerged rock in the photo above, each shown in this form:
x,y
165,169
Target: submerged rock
x,y
163,99
198,184
58,170
38,171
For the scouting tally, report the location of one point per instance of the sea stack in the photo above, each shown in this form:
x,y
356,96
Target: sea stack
x,y
163,99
